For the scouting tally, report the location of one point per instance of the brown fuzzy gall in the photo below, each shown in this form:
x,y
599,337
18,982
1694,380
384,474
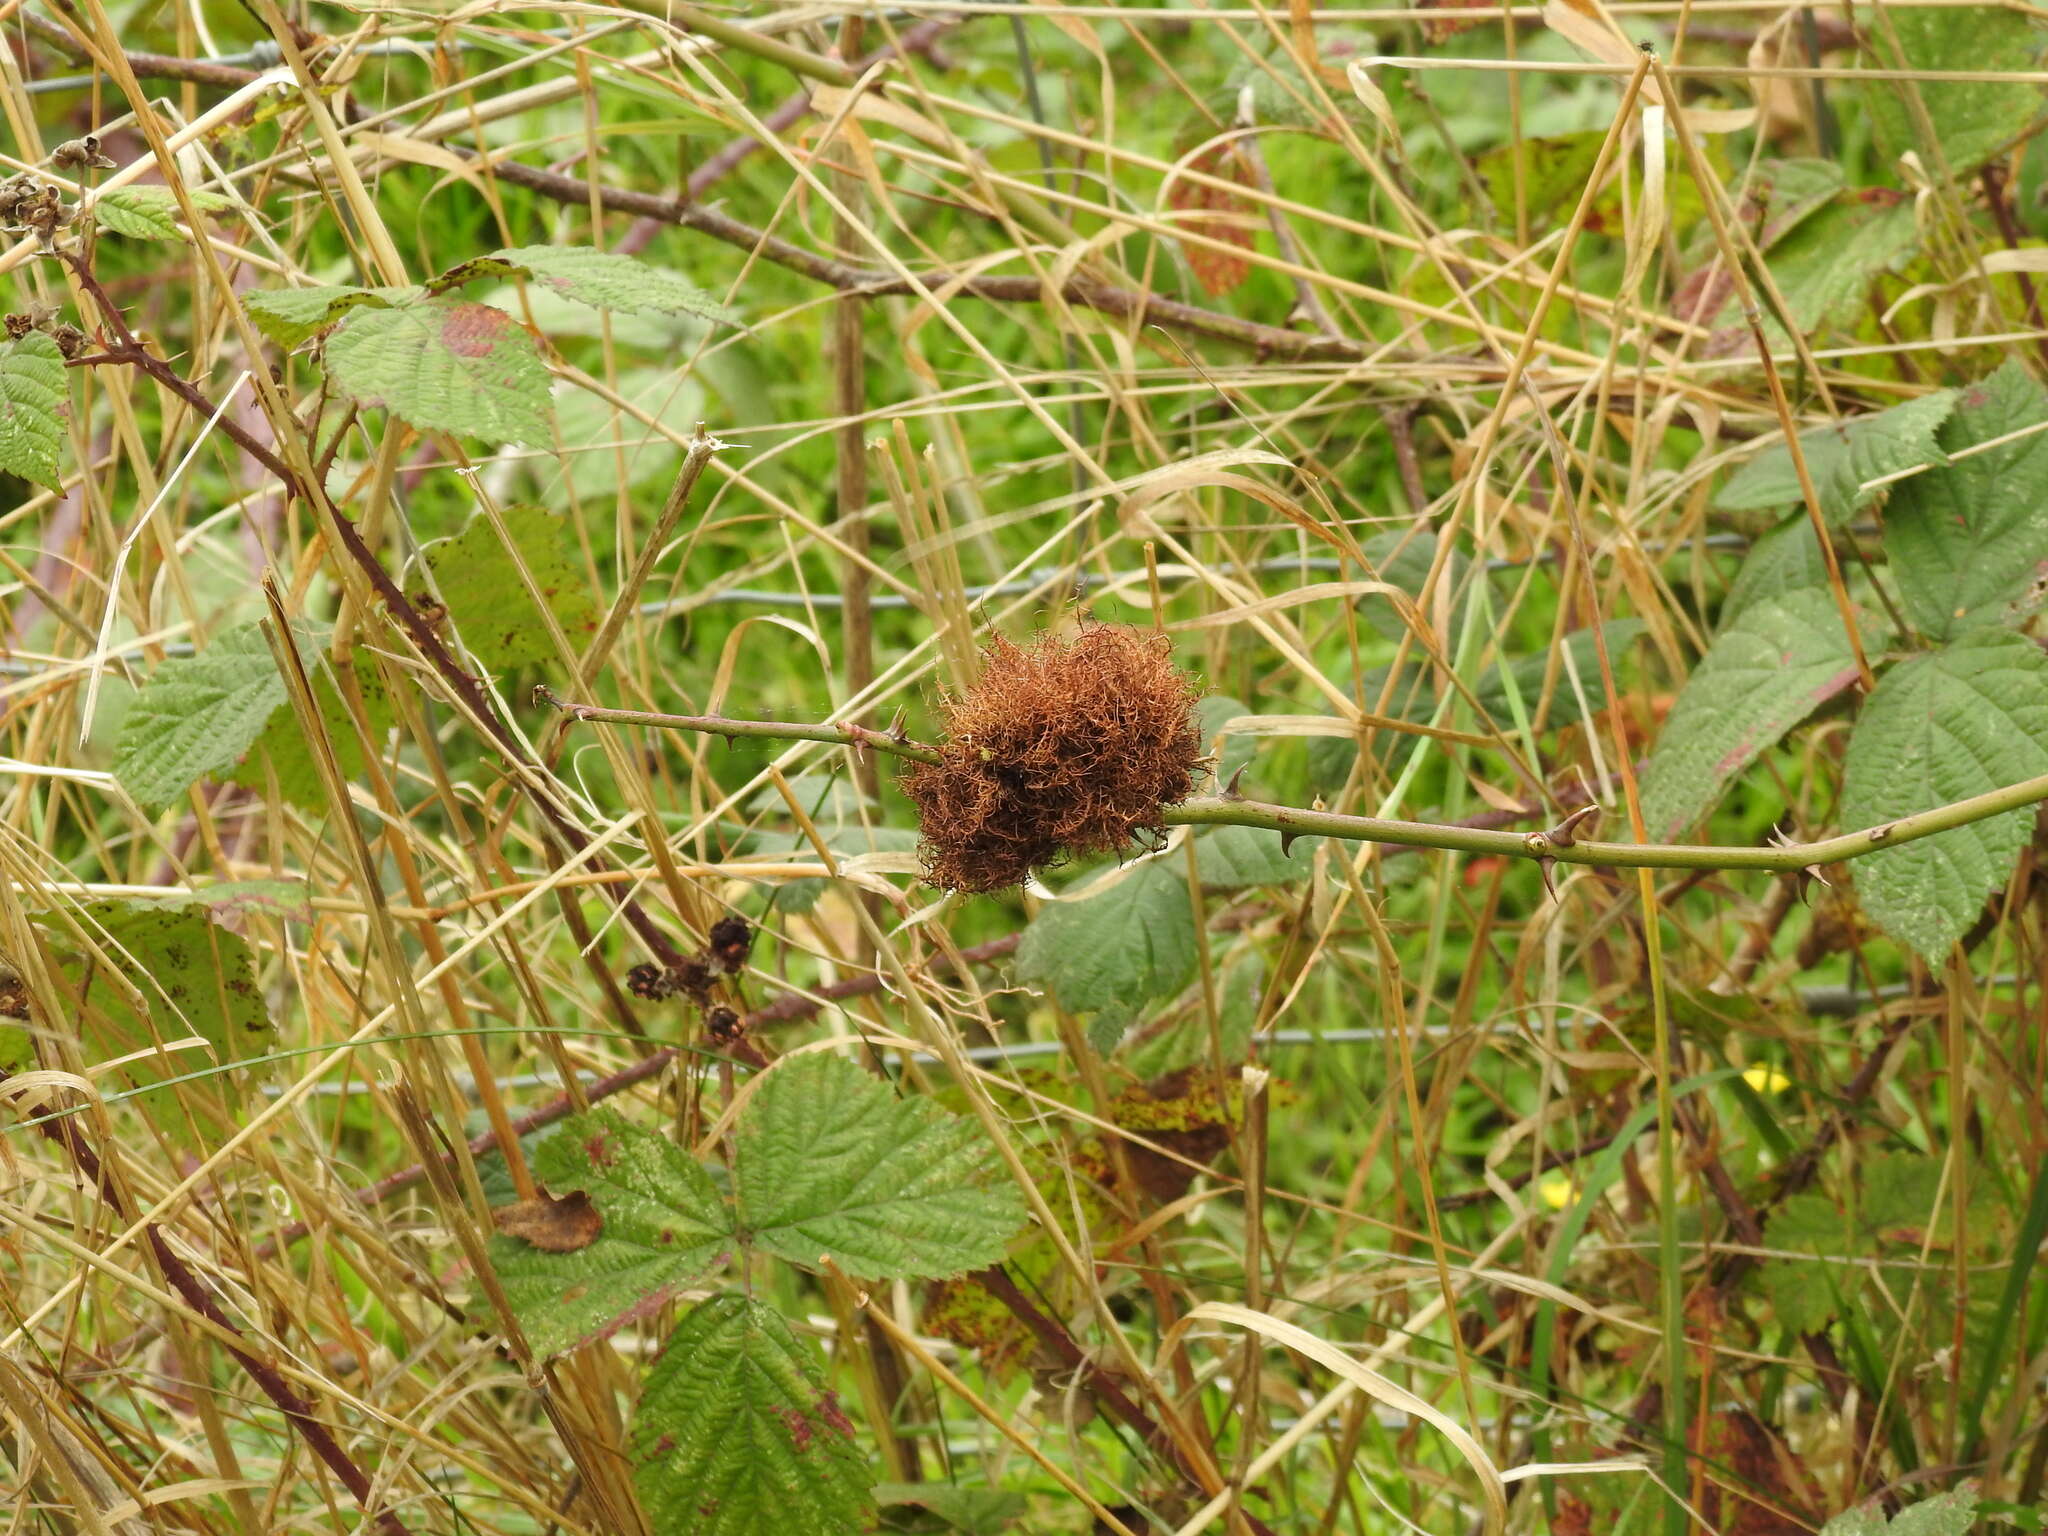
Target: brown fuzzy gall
x,y
1063,747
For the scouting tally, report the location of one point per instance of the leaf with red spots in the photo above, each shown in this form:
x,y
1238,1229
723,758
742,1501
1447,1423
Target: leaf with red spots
x,y
1440,27
1217,271
444,366
663,1227
737,1434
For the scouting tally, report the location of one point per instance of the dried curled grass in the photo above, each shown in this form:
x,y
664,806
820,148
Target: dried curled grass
x,y
1063,747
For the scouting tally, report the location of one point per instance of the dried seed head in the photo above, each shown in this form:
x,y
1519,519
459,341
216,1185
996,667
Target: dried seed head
x,y
1063,747
81,154
71,341
731,942
20,188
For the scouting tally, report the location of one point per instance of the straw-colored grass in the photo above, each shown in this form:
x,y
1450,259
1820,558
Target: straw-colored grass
x,y
1361,384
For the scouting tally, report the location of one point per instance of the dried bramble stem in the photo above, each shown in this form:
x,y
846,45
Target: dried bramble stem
x,y
1292,822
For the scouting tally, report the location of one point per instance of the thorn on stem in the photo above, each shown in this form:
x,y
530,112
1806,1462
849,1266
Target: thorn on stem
x,y
1565,833
1230,791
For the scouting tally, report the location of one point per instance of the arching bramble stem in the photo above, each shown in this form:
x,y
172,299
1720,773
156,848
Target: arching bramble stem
x,y
1292,822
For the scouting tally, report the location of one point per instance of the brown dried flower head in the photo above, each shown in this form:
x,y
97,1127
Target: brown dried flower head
x,y
1063,747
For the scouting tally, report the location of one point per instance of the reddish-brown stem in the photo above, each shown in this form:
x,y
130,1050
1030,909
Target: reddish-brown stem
x,y
1140,308
1056,1341
1992,177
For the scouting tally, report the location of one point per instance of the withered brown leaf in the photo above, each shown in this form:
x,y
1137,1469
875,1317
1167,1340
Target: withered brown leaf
x,y
552,1225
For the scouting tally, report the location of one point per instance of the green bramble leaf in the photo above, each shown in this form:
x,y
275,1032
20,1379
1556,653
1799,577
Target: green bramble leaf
x,y
289,316
1903,1189
1940,728
1810,1226
601,279
1403,558
1953,1513
1969,542
1112,953
34,395
1582,649
664,1227
1237,858
1972,121
284,750
831,1163
736,1433
488,603
198,715
1840,457
976,1511
1783,561
1824,268
241,899
444,366
152,972
149,213
1946,1514
1779,661
1786,193
1862,1520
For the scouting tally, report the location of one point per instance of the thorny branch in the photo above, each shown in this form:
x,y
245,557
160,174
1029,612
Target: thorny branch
x,y
1558,845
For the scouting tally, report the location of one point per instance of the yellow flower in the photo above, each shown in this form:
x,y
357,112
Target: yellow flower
x,y
1767,1079
1556,1190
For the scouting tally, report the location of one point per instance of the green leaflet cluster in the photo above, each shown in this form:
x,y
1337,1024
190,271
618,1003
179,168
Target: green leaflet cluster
x,y
445,364
1953,1513
736,1431
1842,1257
1966,541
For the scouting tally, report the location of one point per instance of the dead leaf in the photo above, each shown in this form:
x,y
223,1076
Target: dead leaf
x,y
551,1225
1217,271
